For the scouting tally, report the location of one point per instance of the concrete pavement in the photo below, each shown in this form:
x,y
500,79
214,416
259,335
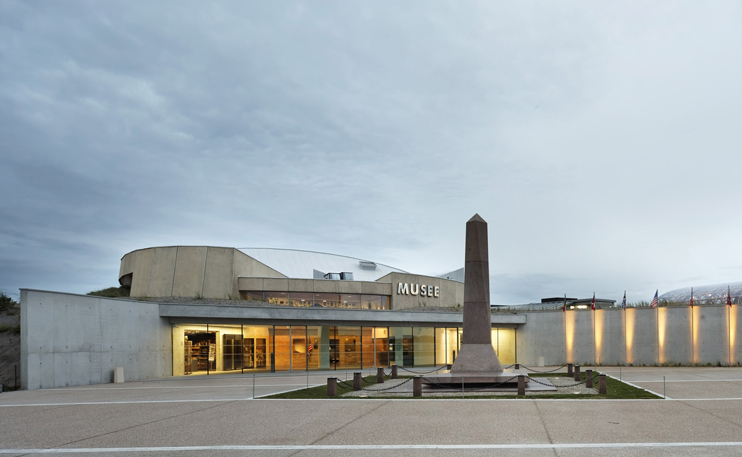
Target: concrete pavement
x,y
217,416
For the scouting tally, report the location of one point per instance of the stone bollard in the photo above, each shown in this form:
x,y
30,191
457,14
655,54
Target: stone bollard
x,y
394,372
521,385
517,366
118,375
569,370
602,389
589,379
380,375
577,373
417,386
357,381
332,387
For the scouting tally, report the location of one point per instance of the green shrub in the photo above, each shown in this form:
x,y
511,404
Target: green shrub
x,y
7,304
111,292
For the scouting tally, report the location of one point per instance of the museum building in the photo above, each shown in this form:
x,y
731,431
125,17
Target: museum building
x,y
240,310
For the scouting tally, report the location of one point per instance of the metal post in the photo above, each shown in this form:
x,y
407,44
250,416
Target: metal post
x,y
380,375
577,373
664,392
517,366
521,385
253,386
332,387
589,379
417,386
395,372
307,374
569,370
357,381
602,385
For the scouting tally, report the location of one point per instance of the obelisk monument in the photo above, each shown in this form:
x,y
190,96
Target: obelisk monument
x,y
476,354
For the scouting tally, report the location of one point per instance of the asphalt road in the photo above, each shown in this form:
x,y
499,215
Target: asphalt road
x,y
218,416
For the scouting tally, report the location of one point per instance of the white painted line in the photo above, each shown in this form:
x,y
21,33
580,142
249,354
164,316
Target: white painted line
x,y
369,447
108,389
693,380
259,397
132,402
642,388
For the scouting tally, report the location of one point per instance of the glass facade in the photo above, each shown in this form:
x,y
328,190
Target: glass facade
x,y
233,348
319,300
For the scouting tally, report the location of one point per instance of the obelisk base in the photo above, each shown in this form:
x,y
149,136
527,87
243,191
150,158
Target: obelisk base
x,y
476,358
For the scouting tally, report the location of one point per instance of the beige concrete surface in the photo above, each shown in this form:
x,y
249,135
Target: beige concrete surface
x,y
215,415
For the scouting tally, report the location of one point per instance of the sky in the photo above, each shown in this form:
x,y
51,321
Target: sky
x,y
599,140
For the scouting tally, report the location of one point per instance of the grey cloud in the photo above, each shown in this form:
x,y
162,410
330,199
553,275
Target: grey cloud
x,y
585,134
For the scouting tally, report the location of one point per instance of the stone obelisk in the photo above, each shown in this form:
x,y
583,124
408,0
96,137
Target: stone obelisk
x,y
476,354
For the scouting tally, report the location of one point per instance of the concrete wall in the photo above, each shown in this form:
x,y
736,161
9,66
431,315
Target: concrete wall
x,y
637,336
73,340
190,271
314,285
451,293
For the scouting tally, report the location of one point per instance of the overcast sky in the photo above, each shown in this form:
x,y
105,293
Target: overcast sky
x,y
600,140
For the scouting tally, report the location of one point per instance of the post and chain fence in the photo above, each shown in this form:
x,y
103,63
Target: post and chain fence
x,y
545,371
350,386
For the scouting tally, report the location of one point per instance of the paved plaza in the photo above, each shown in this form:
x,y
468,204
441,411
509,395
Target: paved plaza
x,y
218,415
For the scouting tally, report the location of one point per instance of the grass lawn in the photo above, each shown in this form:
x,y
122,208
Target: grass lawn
x,y
615,388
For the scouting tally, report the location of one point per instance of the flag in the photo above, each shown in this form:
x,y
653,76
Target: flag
x,y
593,304
564,305
654,300
309,350
623,303
691,297
729,297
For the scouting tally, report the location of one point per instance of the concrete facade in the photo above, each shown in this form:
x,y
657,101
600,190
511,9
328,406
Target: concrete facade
x,y
222,273
189,271
637,336
72,340
69,339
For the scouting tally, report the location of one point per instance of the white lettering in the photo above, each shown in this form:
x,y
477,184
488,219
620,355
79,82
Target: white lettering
x,y
403,289
414,289
430,291
423,290
437,291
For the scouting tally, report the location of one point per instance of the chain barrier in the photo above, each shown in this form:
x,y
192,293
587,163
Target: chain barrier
x,y
422,372
536,371
471,389
388,388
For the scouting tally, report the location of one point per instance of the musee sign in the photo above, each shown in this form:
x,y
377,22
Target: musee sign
x,y
423,290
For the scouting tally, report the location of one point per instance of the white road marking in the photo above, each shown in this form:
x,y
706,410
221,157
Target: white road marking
x,y
369,447
642,388
691,380
258,398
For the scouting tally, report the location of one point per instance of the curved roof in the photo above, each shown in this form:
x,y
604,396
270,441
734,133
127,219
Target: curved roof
x,y
714,292
302,264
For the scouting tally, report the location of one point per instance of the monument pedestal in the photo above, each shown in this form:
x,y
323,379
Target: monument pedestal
x,y
477,358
